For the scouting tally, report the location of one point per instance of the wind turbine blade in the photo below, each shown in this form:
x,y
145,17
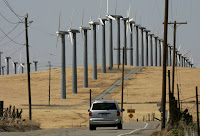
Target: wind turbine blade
x,y
57,42
179,47
186,53
129,11
83,17
18,67
72,18
101,21
107,7
116,8
13,65
70,35
5,62
59,22
20,57
111,17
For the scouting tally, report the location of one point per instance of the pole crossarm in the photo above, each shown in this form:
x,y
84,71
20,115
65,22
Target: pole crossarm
x,y
122,48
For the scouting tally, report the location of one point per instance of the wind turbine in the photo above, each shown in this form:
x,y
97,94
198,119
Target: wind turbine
x,y
156,50
117,18
7,63
151,48
160,51
170,55
72,34
184,58
85,60
62,34
15,66
137,44
94,24
0,61
103,23
111,39
35,62
21,64
131,23
147,46
126,20
3,70
142,44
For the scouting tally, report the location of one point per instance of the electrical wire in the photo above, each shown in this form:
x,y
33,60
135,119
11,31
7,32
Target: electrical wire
x,y
10,38
7,19
13,38
8,5
1,38
17,51
43,31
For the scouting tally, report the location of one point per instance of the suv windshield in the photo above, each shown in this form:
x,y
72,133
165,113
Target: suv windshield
x,y
104,106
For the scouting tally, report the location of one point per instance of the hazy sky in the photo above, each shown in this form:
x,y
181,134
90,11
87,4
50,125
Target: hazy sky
x,y
45,13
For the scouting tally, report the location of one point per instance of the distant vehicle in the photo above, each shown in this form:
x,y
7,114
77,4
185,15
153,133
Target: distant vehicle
x,y
105,113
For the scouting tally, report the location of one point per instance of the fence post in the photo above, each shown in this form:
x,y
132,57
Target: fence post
x,y
197,103
1,108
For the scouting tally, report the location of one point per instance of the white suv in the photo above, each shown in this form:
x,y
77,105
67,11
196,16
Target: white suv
x,y
105,113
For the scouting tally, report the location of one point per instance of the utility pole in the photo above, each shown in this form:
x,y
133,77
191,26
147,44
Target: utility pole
x,y
49,81
151,49
0,63
147,46
178,96
163,106
122,96
142,45
35,62
197,103
170,55
174,51
28,68
90,98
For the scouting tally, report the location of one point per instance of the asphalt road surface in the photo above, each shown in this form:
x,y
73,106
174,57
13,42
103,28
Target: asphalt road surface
x,y
129,129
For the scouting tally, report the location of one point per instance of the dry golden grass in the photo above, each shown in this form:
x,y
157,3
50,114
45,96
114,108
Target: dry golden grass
x,y
143,87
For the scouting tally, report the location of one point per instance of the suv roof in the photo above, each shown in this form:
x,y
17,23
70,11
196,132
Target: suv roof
x,y
104,100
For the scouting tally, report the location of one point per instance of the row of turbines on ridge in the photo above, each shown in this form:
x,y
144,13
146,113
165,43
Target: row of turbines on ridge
x,y
181,60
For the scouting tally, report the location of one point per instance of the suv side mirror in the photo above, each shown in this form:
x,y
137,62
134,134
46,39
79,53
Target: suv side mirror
x,y
89,110
123,110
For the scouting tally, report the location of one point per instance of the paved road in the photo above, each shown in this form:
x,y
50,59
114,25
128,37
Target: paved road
x,y
129,129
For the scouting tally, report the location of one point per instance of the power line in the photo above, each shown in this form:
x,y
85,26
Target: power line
x,y
7,19
9,32
8,5
45,32
10,38
17,51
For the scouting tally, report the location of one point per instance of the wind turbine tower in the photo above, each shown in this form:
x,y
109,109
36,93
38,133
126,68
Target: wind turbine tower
x,y
35,62
103,23
160,52
7,63
142,44
137,44
0,61
72,33
156,51
131,41
151,49
94,24
125,19
62,34
3,70
85,60
15,66
147,46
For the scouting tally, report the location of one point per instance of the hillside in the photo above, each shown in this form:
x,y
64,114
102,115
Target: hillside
x,y
140,89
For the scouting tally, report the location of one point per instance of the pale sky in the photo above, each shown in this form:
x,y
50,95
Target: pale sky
x,y
44,14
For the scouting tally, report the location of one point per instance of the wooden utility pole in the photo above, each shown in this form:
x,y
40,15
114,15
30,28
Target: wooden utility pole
x,y
28,67
174,51
90,98
163,106
197,103
122,94
49,81
178,97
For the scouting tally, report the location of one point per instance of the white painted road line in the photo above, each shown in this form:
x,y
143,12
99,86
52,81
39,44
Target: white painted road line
x,y
134,130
